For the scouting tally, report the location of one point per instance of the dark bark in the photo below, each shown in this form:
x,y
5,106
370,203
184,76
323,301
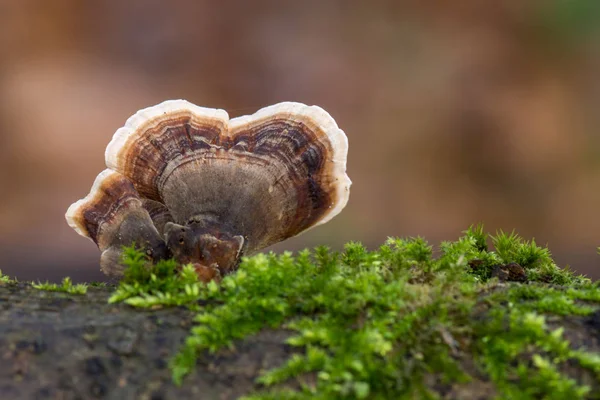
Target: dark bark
x,y
59,346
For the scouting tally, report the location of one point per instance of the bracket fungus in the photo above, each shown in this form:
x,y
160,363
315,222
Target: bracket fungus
x,y
187,182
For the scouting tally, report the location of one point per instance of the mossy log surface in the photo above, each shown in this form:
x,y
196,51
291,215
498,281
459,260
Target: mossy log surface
x,y
56,345
62,346
476,322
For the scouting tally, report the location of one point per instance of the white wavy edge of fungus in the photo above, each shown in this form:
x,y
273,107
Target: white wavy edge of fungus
x,y
141,117
74,209
337,137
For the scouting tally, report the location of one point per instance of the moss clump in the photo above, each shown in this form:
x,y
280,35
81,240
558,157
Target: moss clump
x,y
504,340
163,284
66,286
5,278
380,324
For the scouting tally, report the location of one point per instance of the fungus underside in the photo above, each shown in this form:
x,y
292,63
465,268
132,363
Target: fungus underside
x,y
380,324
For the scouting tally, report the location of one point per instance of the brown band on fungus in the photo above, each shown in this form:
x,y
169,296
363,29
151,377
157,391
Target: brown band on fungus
x,y
110,197
156,136
174,140
304,156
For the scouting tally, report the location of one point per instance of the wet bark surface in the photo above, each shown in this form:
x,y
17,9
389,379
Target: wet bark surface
x,y
59,346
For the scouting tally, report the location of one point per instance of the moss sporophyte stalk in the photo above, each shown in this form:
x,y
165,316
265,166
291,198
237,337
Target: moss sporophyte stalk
x,y
385,324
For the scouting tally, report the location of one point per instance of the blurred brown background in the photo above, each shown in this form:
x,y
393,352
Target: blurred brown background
x,y
457,111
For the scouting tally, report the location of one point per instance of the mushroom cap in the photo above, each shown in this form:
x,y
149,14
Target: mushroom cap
x,y
112,215
268,176
111,198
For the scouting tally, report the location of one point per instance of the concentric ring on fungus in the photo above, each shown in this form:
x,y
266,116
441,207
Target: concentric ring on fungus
x,y
217,188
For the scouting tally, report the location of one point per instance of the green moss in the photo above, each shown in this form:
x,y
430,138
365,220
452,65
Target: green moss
x,y
5,278
504,340
162,284
66,286
378,324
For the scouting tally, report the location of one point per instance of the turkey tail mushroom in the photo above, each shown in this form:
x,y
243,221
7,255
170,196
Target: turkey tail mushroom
x,y
112,216
219,188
